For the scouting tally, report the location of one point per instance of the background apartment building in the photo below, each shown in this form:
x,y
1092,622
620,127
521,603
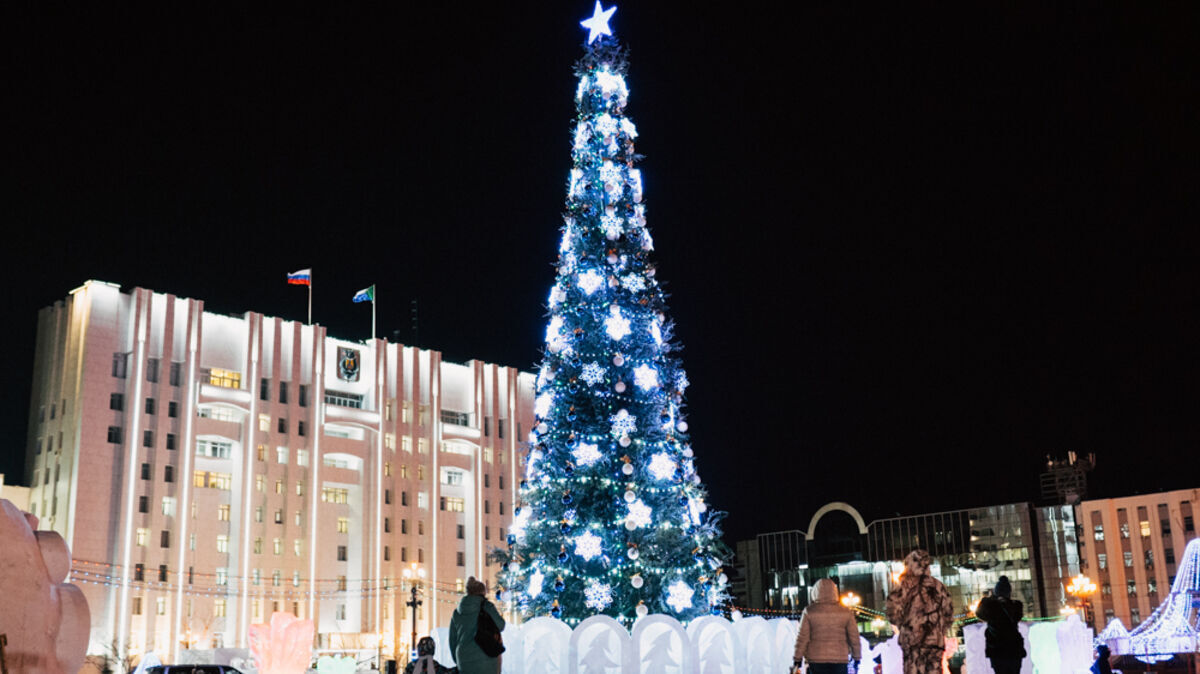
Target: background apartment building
x,y
208,470
1130,547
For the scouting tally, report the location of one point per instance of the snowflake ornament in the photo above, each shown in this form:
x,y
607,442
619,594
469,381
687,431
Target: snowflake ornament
x,y
612,226
598,595
593,373
645,377
582,135
606,126
639,513
587,545
586,454
590,280
541,406
623,423
633,283
679,596
628,127
616,325
534,588
662,467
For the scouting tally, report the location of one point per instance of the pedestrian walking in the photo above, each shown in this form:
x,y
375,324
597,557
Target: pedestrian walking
x,y
828,636
920,609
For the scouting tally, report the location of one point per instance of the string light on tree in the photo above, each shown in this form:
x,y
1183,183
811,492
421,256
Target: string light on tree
x,y
611,516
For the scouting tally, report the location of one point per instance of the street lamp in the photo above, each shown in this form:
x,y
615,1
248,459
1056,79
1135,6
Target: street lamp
x,y
850,600
413,574
1082,587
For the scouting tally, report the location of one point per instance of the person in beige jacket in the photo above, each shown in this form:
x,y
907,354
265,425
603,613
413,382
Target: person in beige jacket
x,y
828,636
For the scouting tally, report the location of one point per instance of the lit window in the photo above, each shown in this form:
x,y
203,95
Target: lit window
x,y
1144,525
260,483
1124,530
225,379
1099,532
406,442
278,546
137,606
258,546
389,440
162,605
299,488
276,578
341,586
218,608
200,479
1128,559
387,468
264,422
222,576
343,525
301,457
278,486
223,513
298,547
335,495
168,506
281,454
422,500
143,535
455,504
1103,560
452,477
295,583
222,543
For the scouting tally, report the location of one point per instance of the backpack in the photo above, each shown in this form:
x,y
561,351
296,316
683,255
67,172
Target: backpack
x,y
487,635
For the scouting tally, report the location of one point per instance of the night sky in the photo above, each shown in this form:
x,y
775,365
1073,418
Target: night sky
x,y
910,252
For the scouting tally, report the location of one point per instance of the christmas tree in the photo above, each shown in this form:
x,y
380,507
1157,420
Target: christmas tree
x,y
613,517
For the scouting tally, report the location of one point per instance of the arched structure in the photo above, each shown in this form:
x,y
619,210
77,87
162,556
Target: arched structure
x,y
830,507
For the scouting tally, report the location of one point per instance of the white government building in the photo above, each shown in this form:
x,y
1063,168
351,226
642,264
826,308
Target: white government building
x,y
208,470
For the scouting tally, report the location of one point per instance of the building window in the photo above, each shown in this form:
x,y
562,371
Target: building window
x,y
218,608
264,422
454,477
420,527
152,370
501,504
1169,555
420,472
295,583
143,504
299,519
137,606
403,497
145,471
1131,587
279,516
341,612
298,547
302,396
168,473
1149,559
147,438
460,558
1188,525
278,486
282,425
420,555
139,572
337,495
1102,560
276,578
387,554
164,539
455,504
143,535
283,392
343,399
168,506
389,441
423,500
404,526
500,428
222,543
404,554
341,553
387,468
406,443
487,533
1106,589
1128,559
223,512
1166,527
487,507
162,573
461,532
171,441
500,481
1152,586
277,546
387,496
116,401
301,457
487,481
1144,526
260,482
387,525
173,374
343,525
214,449
281,455
1124,530
301,428
1099,532
151,406
341,587
258,514
224,378
114,435
258,546
299,488
264,389
120,365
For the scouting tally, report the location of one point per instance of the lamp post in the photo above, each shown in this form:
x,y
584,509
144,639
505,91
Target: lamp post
x,y
851,600
413,574
1082,587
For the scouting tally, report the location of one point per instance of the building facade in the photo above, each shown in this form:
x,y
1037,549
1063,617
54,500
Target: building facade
x,y
1034,546
208,470
1130,546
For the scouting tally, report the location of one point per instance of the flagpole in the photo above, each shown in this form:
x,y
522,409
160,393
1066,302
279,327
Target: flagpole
x,y
310,301
373,316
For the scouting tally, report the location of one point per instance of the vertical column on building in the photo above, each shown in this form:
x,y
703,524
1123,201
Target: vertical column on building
x,y
140,308
380,350
249,437
318,360
187,443
435,421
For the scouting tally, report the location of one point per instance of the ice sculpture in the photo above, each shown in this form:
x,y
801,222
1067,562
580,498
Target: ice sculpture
x,y
1172,627
1074,646
45,618
284,646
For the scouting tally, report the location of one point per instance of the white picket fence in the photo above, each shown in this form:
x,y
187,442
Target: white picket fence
x,y
658,644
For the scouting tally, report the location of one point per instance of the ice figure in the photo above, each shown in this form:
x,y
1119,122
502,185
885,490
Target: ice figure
x,y
758,651
597,659
1044,639
714,659
1114,630
1074,646
45,618
976,660
441,646
660,657
662,632
283,646
327,664
893,657
541,657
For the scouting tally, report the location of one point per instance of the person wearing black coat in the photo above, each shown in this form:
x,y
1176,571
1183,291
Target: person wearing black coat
x,y
1002,613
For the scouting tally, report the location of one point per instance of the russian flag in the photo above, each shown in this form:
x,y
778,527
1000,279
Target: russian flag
x,y
300,278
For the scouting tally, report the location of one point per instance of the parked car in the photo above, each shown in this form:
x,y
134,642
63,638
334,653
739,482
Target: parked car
x,y
192,669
